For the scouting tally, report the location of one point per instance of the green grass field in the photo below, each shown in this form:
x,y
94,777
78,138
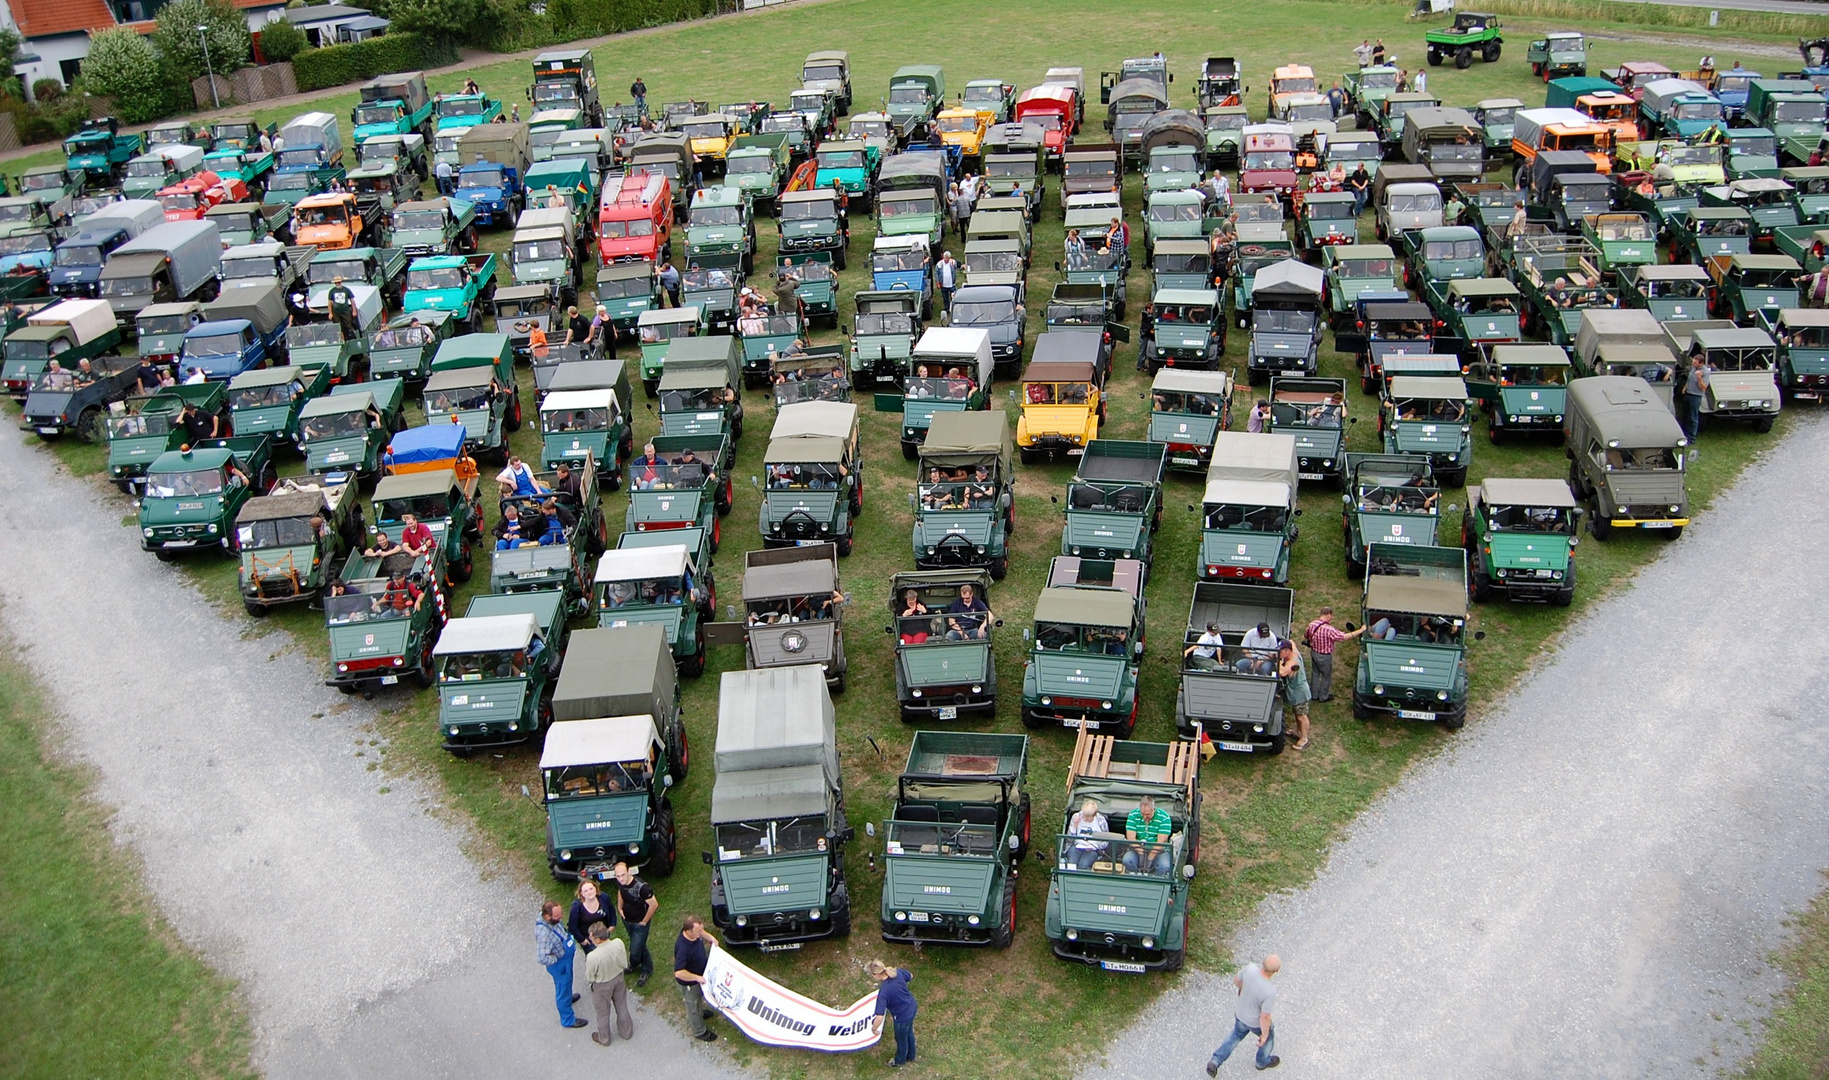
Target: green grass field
x,y
1797,1039
1268,822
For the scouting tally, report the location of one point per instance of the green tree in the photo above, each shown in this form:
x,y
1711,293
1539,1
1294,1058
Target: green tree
x,y
123,65
9,48
280,41
182,46
443,20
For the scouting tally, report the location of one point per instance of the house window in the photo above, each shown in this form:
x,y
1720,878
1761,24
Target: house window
x,y
69,69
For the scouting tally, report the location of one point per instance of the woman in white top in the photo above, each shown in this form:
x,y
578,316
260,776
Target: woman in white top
x,y
1084,824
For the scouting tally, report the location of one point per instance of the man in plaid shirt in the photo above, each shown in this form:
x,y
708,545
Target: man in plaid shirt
x,y
1322,637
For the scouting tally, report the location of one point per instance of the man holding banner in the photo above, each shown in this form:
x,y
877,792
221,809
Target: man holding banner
x,y
895,999
691,951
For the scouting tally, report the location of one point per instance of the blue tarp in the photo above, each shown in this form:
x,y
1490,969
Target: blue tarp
x,y
433,442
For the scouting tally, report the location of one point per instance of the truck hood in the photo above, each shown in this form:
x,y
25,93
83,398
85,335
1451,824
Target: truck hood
x,y
1377,528
201,509
918,413
436,300
680,507
1258,551
1742,387
800,510
524,565
703,235
1529,551
1182,337
370,640
1413,664
349,452
605,821
755,886
1658,489
692,423
468,705
1421,437
138,452
1208,696
1180,430
575,444
910,225
1281,345
952,884
1809,361
266,419
1532,400
971,527
1134,905
667,618
954,663
1080,675
1315,442
817,643
1056,419
1104,535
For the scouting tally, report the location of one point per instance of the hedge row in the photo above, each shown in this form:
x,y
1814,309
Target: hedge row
x,y
571,20
337,65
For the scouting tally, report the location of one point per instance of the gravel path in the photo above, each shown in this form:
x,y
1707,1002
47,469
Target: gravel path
x,y
1590,881
367,941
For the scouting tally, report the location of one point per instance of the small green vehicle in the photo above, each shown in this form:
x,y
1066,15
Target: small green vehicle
x,y
1086,655
884,330
1184,328
757,165
658,329
249,222
404,346
1225,126
285,557
1742,373
1390,498
815,485
1233,695
1475,313
496,674
813,220
1113,902
850,165
713,290
561,567
269,400
778,812
147,427
381,631
699,390
588,427
1752,152
1427,415
1625,239
945,665
792,612
1520,537
1413,660
1809,193
1187,410
1313,412
616,749
1326,221
678,489
1626,456
816,286
1707,231
1497,117
348,428
955,840
1672,292
491,353
1355,270
460,284
763,339
1803,353
721,229
965,493
1559,54
661,586
1749,285
1114,501
1248,508
628,291
1019,173
1768,200
1366,88
194,494
1470,33
1523,387
451,508
1179,264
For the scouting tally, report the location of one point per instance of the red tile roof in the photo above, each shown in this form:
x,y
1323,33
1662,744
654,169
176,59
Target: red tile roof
x,y
42,18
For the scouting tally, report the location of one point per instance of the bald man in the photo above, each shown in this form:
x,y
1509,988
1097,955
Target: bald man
x,y
1251,1016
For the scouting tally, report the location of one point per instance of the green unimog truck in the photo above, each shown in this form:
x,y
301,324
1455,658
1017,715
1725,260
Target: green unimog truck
x,y
1626,456
778,813
285,556
955,840
1114,902
1233,695
1429,415
269,400
1413,659
348,428
615,751
944,662
193,494
814,487
1520,537
1187,410
443,503
381,629
793,612
1390,498
662,586
588,426
149,426
1114,501
965,507
1086,653
1524,388
1313,412
495,681
1248,508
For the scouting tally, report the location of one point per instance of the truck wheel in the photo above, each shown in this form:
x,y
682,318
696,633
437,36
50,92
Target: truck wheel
x,y
1537,70
1673,532
599,538
694,666
838,260
466,243
844,544
1029,457
89,430
259,611
1435,57
1492,52
1360,711
1176,959
1479,585
1565,596
682,752
1022,847
1032,721
1464,58
1277,743
267,477
1457,719
1600,526
1001,936
513,421
1355,569
464,566
909,449
1762,425
999,568
717,534
665,841
426,675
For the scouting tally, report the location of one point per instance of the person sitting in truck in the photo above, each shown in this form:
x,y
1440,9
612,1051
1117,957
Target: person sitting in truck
x,y
1086,824
518,479
556,522
968,617
415,538
565,481
1260,644
511,532
1204,654
1148,827
384,546
401,596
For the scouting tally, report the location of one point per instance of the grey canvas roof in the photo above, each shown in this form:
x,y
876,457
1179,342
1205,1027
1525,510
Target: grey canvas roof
x,y
808,578
1742,337
585,375
1507,491
615,669
599,741
1362,251
823,419
1246,455
1181,246
1482,287
488,633
1141,88
1766,262
630,564
1059,371
1288,276
1805,316
775,719
1087,607
805,449
1187,296
1673,272
292,504
414,485
1623,409
337,404
1427,386
717,348
1223,492
273,376
677,376
1055,348
1539,354
1416,595
967,434
757,796
1187,380
459,378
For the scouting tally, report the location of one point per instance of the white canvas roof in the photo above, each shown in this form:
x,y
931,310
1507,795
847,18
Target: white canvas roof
x,y
899,243
578,399
1246,455
1187,380
632,564
596,742
815,419
1291,271
487,633
1247,493
957,341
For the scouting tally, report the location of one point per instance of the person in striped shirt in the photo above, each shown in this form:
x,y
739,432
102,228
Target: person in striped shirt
x,y
1323,637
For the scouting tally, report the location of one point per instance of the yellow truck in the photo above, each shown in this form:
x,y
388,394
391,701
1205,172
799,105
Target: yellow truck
x,y
1062,403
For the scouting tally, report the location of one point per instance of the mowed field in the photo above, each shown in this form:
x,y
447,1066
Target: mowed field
x,y
1267,821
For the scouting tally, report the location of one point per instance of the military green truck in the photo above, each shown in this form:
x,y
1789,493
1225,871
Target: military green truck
x,y
471,397
964,500
1114,501
700,388
193,494
588,427
616,749
1187,409
1113,902
778,813
812,220
1355,270
1471,33
1248,508
1520,540
1672,292
1086,654
1428,415
382,630
757,166
1523,387
146,427
285,557
793,612
348,428
495,681
628,290
884,330
944,662
1742,374
814,487
1390,498
1313,412
1413,659
1803,354
564,567
448,506
955,839
1227,691
661,586
269,400
658,329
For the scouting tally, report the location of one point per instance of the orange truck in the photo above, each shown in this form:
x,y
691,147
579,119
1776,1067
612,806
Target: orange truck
x,y
635,221
1558,129
334,220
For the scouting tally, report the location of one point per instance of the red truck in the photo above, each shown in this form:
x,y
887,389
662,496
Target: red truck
x,y
189,199
635,220
1052,107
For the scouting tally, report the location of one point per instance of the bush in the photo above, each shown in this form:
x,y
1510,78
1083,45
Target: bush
x,y
335,65
444,20
568,20
47,90
281,41
124,66
178,42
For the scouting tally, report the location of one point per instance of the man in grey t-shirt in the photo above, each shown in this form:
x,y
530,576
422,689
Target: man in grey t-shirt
x,y
1251,1016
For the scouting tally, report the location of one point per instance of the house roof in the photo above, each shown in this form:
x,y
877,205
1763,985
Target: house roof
x,y
43,18
317,13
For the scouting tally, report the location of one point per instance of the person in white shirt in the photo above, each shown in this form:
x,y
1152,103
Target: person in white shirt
x,y
1084,825
1204,654
1260,645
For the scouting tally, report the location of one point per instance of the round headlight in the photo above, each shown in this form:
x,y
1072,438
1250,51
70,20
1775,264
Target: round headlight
x,y
743,920
342,667
399,661
1076,551
564,856
514,725
452,730
1047,701
1127,553
1257,728
980,549
901,916
931,549
212,526
1105,705
1149,942
814,914
1378,689
977,688
1073,935
1441,695
973,920
635,849
916,691
147,533
1676,509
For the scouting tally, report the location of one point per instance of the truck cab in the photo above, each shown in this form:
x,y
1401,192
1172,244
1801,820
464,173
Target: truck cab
x,y
1087,649
1413,661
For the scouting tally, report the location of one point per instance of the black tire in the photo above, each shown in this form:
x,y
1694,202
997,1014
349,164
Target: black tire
x,y
999,568
1456,720
1565,596
1761,425
1600,526
512,421
465,565
1175,960
1435,57
1032,721
1673,532
347,690
1277,743
427,673
1029,457
1464,58
681,751
1479,583
1023,807
666,844
259,611
838,260
844,545
88,425
909,450
694,666
1492,52
1360,711
1003,935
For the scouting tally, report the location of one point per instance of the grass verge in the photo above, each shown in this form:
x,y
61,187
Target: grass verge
x,y
1797,1037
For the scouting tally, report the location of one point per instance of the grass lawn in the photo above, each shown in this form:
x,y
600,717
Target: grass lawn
x,y
92,980
1268,822
1797,1039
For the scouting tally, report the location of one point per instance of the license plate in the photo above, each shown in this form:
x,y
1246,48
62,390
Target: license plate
x,y
1656,525
807,543
47,431
1806,395
792,946
1413,714
1196,461
1238,747
1309,476
1076,451
949,712
390,680
180,543
1119,965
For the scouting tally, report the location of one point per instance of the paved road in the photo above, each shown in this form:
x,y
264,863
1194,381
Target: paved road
x,y
1786,7
1588,884
367,940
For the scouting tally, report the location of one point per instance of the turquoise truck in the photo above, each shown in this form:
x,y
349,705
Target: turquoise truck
x,y
393,105
459,284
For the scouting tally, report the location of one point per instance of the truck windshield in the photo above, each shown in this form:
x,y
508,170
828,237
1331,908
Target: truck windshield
x,y
44,181
804,476
1354,151
1017,169
457,398
442,277
309,156
592,781
336,425
749,165
654,333
1177,160
1456,151
822,73
122,286
1232,517
1062,637
907,95
988,313
811,210
1797,110
1191,263
717,215
1160,210
701,278
290,181
148,168
415,220
132,427
993,261
260,397
564,420
1698,110
1320,210
163,324
403,337
1273,321
789,123
992,95
554,93
461,106
1378,80
248,268
528,251
376,114
789,836
175,485
19,245
713,129
1181,401
286,532
644,592
1311,112
608,287
841,159
1447,410
617,230
890,262
306,334
1415,204
1047,393
892,322
179,201
957,124
213,345
1453,249
908,208
1504,114
1364,268
327,271
1754,144
473,177
1268,160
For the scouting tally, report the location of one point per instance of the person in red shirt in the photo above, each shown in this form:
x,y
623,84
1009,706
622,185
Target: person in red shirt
x,y
1322,637
416,538
400,597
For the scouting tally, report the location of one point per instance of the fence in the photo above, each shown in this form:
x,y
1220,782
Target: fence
x,y
246,86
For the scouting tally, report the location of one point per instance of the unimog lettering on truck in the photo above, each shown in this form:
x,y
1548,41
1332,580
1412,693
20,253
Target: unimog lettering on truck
x,y
194,493
778,812
955,840
1086,654
1413,661
1228,691
1248,509
1113,901
615,751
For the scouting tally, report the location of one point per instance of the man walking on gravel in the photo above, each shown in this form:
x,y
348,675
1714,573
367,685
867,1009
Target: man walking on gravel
x,y
556,950
1251,1015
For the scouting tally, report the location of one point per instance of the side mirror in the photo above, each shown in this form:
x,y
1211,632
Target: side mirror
x,y
755,482
911,500
849,835
1025,634
1015,842
997,622
1350,627
1451,508
889,630
705,857
1298,512
1187,871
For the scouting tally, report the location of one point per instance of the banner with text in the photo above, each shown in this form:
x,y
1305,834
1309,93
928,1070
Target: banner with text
x,y
770,1013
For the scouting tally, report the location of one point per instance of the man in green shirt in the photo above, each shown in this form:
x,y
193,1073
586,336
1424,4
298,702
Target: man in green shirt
x,y
1150,827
